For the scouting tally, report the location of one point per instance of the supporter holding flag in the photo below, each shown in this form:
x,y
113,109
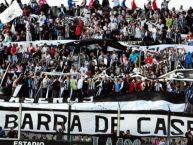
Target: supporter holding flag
x,y
133,5
154,5
70,5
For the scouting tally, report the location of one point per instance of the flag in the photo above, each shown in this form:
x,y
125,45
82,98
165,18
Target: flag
x,y
12,12
116,3
123,4
133,5
42,2
91,4
70,5
154,5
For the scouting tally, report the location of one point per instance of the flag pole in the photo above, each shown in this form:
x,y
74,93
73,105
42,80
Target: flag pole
x,y
169,123
19,121
118,120
4,75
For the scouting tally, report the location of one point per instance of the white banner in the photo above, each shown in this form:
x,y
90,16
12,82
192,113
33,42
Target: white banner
x,y
97,122
11,13
97,106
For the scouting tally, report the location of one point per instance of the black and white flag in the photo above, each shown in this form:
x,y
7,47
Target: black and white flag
x,y
12,12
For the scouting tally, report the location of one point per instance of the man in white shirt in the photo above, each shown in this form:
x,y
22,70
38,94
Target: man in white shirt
x,y
45,85
158,86
83,70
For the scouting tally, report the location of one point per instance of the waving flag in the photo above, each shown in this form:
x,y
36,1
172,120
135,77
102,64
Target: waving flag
x,y
133,5
91,4
154,5
70,5
12,12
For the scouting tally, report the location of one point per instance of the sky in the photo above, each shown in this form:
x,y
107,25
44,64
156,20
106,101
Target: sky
x,y
140,3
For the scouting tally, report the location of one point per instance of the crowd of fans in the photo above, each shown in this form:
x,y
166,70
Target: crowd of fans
x,y
99,70
90,72
150,25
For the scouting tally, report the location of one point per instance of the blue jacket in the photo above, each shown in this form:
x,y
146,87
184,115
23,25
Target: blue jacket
x,y
188,58
117,87
133,57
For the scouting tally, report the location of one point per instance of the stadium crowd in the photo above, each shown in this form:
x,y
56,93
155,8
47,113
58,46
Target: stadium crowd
x,y
92,72
151,24
100,70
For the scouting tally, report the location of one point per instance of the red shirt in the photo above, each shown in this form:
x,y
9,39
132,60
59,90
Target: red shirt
x,y
139,87
149,60
13,50
51,52
131,87
78,28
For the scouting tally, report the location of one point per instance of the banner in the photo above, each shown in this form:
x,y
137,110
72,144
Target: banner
x,y
58,103
140,123
11,13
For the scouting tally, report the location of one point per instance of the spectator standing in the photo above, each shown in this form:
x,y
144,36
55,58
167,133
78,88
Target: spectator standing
x,y
188,60
149,60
